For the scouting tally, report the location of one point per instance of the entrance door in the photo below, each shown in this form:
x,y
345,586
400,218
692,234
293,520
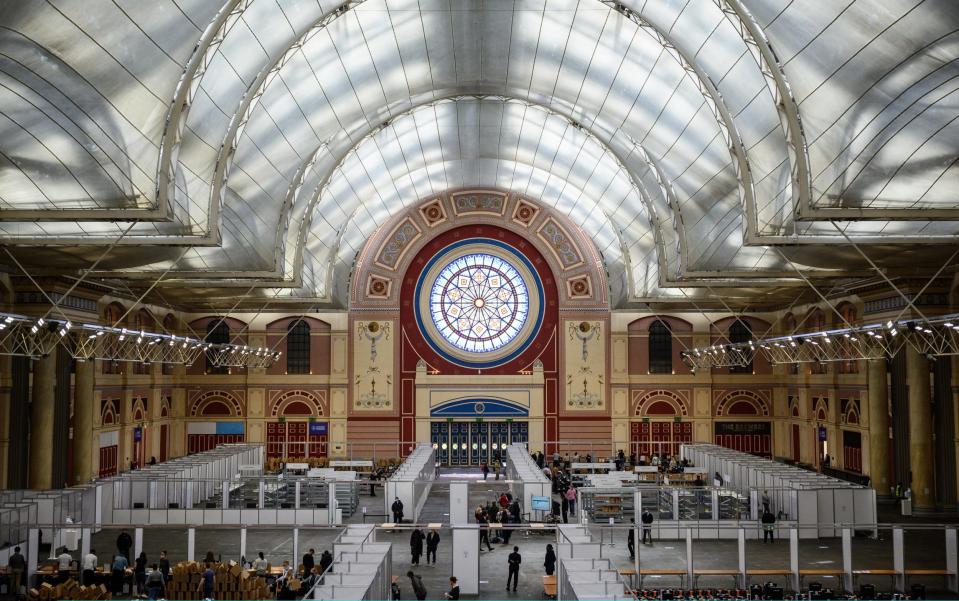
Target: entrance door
x,y
473,443
440,437
459,438
164,441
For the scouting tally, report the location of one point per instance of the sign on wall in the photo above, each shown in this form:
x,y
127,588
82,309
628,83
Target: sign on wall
x,y
318,428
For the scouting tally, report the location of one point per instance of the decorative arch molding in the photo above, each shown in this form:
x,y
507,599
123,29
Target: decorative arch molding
x,y
139,409
820,409
651,402
210,403
165,409
566,249
850,412
677,325
290,402
742,403
794,406
109,412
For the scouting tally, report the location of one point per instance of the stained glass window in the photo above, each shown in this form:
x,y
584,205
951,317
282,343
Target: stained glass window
x,y
479,303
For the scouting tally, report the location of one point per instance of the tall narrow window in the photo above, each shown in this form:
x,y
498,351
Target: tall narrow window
x,y
660,348
739,332
217,332
298,348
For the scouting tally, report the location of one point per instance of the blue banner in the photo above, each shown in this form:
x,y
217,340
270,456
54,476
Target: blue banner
x,y
229,427
318,428
137,434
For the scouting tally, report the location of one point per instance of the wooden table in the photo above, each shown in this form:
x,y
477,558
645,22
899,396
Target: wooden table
x,y
715,572
662,572
631,573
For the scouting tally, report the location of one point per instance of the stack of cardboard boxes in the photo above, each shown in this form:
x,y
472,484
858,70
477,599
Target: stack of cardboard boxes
x,y
70,589
230,582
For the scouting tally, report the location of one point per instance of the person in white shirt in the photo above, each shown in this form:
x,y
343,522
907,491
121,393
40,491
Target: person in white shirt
x,y
64,561
89,567
259,564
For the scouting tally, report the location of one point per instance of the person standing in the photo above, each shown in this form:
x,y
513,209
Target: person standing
x,y
64,563
647,519
124,542
89,566
326,560
513,561
397,509
17,565
207,580
165,566
140,572
550,562
416,545
571,497
118,573
308,563
631,539
565,505
432,543
454,592
769,523
156,584
259,565
766,503
417,583
372,486
498,465
485,467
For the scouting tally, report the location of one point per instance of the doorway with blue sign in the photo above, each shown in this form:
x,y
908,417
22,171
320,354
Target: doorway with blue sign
x,y
475,430
296,440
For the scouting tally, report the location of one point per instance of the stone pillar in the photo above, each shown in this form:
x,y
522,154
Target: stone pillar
x,y
921,458
83,422
41,422
878,426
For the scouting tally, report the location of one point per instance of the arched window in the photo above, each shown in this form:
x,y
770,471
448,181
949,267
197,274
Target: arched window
x,y
298,347
217,332
739,332
660,348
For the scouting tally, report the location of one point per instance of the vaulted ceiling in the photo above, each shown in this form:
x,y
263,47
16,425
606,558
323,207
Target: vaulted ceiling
x,y
249,147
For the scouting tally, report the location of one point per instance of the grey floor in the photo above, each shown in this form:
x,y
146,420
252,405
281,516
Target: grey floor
x,y
924,549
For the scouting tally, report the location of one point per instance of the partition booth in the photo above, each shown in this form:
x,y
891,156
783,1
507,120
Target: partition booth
x,y
795,494
412,481
361,569
526,480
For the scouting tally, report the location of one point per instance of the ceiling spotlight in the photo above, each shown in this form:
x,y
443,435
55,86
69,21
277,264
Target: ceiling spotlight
x,y
889,324
8,319
948,324
893,332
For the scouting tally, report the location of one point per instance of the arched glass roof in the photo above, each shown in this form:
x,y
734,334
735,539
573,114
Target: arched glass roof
x,y
688,137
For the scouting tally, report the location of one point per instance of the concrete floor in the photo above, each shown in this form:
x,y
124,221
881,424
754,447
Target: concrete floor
x,y
924,549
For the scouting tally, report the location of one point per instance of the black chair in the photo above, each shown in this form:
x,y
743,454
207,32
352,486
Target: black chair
x,y
867,591
917,591
173,505
138,505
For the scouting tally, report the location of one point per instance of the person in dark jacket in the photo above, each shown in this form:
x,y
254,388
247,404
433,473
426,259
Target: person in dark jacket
x,y
647,519
397,509
550,562
165,566
565,505
454,592
432,543
124,542
484,534
140,572
769,521
513,561
631,540
514,512
17,565
416,545
326,560
417,583
308,563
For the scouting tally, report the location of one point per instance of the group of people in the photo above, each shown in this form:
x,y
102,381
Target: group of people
x,y
432,540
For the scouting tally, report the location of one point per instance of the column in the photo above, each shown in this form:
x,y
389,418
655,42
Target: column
x,y
878,426
83,422
41,423
921,458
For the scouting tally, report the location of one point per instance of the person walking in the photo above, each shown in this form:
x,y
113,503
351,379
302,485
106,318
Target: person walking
x,y
513,561
484,533
432,543
207,580
417,583
769,523
397,509
766,503
498,466
156,584
631,539
454,592
118,573
308,562
550,562
124,542
647,519
485,467
89,567
565,505
17,565
416,545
